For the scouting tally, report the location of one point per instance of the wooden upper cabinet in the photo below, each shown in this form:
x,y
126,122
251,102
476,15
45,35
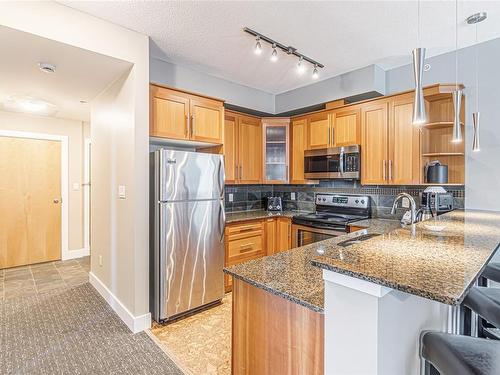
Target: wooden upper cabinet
x,y
404,143
297,147
169,113
249,150
347,127
276,142
320,130
206,120
179,115
230,147
374,143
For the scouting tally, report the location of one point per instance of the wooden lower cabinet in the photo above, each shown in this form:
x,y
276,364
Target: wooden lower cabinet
x,y
254,239
272,335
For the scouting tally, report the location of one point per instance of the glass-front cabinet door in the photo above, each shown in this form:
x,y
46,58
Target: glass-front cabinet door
x,y
276,148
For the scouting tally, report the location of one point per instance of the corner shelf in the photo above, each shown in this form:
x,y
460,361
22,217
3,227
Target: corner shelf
x,y
430,154
439,125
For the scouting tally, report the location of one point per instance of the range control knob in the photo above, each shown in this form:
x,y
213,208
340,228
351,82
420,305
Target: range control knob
x,y
357,201
362,201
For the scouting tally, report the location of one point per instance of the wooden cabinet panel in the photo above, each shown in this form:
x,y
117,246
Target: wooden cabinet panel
x,y
248,247
206,120
270,229
169,113
230,148
320,135
404,144
283,234
250,150
297,147
347,128
374,144
275,141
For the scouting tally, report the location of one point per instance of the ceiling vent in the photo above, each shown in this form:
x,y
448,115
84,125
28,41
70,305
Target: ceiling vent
x,y
46,67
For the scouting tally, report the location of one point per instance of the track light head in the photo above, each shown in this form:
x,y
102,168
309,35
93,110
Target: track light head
x,y
315,74
274,55
300,66
258,47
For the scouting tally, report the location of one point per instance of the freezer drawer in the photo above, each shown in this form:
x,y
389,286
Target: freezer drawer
x,y
191,255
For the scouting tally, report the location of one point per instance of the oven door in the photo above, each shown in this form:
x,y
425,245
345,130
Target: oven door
x,y
304,235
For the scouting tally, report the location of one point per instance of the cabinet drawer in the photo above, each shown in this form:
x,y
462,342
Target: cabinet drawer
x,y
245,248
244,228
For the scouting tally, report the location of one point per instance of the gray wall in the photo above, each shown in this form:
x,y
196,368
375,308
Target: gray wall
x,y
482,169
184,78
370,78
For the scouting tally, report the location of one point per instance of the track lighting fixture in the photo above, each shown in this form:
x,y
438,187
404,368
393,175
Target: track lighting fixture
x,y
418,54
258,48
315,72
300,66
289,50
274,55
457,94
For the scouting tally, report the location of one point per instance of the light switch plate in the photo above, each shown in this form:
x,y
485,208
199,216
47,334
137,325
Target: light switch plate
x,y
121,192
405,203
76,186
230,197
292,196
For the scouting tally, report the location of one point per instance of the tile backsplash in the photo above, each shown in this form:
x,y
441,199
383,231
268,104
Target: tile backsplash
x,y
253,197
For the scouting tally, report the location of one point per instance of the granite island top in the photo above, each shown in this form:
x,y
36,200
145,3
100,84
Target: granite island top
x,y
439,260
291,274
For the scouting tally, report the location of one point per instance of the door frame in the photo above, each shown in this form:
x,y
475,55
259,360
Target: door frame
x,y
86,194
65,253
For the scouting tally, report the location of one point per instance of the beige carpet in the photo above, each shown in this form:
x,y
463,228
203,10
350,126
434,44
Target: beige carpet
x,y
199,344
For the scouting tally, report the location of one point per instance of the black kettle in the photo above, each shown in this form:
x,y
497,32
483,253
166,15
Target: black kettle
x,y
436,173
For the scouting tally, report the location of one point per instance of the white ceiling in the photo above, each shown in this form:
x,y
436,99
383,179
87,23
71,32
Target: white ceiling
x,y
80,74
343,35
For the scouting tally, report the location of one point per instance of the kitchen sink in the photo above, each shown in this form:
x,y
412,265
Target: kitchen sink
x,y
358,239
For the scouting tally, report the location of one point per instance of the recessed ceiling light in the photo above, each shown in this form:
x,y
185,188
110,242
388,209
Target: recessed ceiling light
x,y
83,101
46,67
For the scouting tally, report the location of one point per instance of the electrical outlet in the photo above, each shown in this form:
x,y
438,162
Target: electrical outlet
x,y
292,196
122,192
100,260
405,203
230,197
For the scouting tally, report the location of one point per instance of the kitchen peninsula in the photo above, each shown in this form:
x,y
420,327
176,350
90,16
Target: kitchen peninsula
x,y
384,290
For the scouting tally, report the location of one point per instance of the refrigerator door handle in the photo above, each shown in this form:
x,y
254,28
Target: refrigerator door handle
x,y
221,178
222,223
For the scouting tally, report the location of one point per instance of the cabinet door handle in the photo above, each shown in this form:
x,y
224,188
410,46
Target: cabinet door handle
x,y
188,126
241,172
192,125
329,136
246,247
384,166
390,170
333,136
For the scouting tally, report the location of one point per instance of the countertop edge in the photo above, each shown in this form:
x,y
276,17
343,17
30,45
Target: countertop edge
x,y
276,292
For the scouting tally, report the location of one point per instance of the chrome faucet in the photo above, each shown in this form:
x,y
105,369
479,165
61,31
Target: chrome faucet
x,y
413,206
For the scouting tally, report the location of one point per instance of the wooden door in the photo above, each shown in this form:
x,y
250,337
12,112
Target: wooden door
x,y
30,201
347,127
168,113
249,150
298,146
404,143
374,143
206,120
270,230
230,147
283,234
320,135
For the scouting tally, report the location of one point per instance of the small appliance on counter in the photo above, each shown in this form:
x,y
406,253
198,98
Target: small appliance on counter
x,y
434,201
436,173
274,204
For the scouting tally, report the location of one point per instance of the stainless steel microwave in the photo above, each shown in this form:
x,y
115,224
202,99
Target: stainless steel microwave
x,y
333,162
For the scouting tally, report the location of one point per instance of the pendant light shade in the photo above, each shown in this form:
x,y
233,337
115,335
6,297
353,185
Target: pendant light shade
x,y
475,138
457,103
419,115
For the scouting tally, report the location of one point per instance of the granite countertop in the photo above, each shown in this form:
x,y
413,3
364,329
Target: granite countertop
x,y
291,274
440,260
233,217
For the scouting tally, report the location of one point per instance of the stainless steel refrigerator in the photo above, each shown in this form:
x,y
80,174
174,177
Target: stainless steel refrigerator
x,y
186,232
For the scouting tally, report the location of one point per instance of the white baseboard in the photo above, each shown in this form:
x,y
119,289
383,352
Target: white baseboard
x,y
134,323
78,253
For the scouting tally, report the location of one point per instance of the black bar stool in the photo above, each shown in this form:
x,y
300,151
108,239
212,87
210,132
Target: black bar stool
x,y
455,354
492,271
485,302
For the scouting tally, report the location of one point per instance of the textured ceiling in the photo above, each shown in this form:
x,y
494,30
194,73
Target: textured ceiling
x,y
343,35
80,74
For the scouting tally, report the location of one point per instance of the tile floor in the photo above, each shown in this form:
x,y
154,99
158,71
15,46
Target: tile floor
x,y
43,277
201,343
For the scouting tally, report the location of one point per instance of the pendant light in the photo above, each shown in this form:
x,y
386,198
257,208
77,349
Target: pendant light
x,y
418,54
457,94
474,20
